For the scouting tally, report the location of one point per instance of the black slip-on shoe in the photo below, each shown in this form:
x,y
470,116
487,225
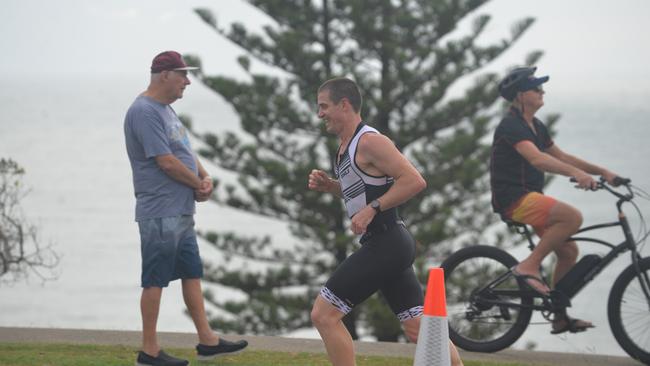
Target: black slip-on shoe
x,y
224,347
162,359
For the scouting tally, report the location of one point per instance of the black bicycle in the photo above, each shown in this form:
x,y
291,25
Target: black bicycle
x,y
489,308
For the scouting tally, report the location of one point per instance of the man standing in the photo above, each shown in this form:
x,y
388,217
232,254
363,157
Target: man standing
x,y
373,179
522,151
168,178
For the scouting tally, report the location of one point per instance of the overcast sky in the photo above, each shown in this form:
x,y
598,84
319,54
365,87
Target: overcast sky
x,y
590,45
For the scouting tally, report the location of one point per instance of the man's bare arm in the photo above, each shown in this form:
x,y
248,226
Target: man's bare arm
x,y
586,166
175,169
547,163
381,154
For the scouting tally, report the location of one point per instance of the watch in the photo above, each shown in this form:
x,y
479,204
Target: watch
x,y
376,205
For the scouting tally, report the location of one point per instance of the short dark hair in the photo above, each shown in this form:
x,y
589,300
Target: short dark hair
x,y
343,88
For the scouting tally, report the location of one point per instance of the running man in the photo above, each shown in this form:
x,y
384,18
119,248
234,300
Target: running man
x,y
373,178
522,151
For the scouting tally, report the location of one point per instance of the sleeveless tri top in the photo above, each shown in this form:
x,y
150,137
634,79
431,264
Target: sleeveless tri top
x,y
358,187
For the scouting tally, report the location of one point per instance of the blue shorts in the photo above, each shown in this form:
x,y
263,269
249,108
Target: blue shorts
x,y
169,250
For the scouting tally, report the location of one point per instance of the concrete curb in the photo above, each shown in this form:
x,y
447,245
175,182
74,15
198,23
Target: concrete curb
x,y
265,343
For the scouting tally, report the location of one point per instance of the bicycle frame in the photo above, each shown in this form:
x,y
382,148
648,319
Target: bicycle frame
x,y
492,305
560,300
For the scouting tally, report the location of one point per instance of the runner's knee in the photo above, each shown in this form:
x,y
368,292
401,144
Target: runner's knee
x,y
323,317
318,318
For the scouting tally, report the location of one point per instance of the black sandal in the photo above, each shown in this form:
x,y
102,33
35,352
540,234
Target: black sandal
x,y
524,278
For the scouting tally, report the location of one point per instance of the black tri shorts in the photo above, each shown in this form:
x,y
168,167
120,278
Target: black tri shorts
x,y
383,263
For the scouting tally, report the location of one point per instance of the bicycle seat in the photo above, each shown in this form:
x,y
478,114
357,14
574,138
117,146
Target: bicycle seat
x,y
513,224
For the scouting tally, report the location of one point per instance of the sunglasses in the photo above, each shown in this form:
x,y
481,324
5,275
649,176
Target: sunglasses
x,y
538,89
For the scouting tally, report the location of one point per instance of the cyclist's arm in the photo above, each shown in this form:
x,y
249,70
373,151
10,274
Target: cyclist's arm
x,y
590,168
546,162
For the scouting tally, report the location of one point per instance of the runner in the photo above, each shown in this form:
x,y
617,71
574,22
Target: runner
x,y
373,178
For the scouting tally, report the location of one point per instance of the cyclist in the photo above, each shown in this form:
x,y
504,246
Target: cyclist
x,y
522,151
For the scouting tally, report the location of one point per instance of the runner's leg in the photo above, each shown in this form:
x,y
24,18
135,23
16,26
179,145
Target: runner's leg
x,y
338,342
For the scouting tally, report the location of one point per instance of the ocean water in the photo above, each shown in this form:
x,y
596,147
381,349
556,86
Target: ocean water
x,y
67,134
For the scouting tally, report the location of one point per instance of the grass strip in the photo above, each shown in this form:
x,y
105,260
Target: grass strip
x,y
34,354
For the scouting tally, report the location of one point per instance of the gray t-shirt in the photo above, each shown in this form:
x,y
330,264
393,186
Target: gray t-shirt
x,y
152,129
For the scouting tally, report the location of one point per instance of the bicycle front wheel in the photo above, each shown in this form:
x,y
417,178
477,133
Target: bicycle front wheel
x,y
629,311
484,315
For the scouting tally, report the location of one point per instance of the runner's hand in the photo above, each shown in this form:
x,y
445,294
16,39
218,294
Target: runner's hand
x,y
362,219
319,181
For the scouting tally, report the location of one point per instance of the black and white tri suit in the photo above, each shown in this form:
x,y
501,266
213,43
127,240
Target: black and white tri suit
x,y
384,261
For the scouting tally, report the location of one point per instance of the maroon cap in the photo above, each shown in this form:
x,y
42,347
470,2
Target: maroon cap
x,y
169,60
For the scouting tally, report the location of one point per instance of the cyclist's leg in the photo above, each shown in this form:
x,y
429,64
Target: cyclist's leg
x,y
554,220
561,222
566,258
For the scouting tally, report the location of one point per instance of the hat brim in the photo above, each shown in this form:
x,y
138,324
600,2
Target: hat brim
x,y
532,83
186,68
541,80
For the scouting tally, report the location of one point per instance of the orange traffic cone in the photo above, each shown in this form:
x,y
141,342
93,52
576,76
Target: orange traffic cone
x,y
433,341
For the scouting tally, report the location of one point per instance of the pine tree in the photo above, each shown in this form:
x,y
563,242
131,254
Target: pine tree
x,y
405,59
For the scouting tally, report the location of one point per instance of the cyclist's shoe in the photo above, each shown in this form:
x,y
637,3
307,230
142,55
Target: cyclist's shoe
x,y
570,324
162,359
224,347
534,283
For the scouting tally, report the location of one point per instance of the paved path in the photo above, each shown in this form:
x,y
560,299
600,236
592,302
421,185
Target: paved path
x,y
188,340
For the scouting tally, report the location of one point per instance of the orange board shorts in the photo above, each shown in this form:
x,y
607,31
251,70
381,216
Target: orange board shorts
x,y
532,209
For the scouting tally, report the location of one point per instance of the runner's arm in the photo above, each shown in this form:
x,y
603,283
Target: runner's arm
x,y
380,153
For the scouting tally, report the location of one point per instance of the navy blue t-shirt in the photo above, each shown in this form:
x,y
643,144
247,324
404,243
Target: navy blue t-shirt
x,y
152,129
511,175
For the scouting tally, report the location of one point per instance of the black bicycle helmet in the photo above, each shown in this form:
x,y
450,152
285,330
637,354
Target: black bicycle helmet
x,y
519,80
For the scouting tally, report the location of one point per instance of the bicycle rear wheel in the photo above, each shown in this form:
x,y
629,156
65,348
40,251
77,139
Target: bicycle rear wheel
x,y
476,323
629,312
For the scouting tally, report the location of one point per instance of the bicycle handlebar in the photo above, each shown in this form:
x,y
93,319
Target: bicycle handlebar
x,y
618,181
